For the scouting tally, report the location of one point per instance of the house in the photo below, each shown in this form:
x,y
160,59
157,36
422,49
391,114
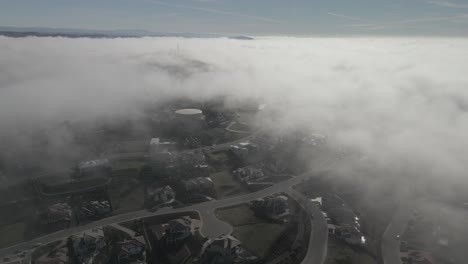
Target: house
x,y
162,195
248,174
86,244
59,212
200,185
273,207
195,159
96,209
130,250
178,230
243,150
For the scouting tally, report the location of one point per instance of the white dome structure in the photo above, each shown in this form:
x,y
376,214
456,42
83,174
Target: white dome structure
x,y
191,119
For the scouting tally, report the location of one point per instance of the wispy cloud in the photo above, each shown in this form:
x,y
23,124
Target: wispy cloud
x,y
348,17
217,11
447,4
384,25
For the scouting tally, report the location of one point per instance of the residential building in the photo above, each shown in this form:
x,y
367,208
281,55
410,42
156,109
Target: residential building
x,y
178,230
87,244
59,212
249,174
130,250
273,207
96,209
198,186
161,195
243,150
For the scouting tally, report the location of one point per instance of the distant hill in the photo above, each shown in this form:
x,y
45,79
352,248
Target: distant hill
x,y
19,32
242,38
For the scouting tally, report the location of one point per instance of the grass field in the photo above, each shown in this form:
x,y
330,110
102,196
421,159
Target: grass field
x,y
128,197
251,230
339,252
11,234
226,185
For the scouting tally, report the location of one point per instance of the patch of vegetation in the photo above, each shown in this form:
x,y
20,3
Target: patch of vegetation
x,y
259,238
11,234
127,197
226,185
341,253
250,229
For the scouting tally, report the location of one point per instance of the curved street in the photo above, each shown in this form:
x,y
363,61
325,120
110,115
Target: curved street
x,y
212,226
391,238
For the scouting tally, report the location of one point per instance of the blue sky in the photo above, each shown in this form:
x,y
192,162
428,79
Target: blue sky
x,y
265,17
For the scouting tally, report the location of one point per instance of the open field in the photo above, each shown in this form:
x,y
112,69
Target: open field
x,y
341,253
226,185
250,229
11,234
254,238
127,197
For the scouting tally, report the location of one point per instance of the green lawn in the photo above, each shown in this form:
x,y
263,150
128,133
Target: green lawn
x,y
340,252
258,238
11,234
251,230
238,215
128,197
226,185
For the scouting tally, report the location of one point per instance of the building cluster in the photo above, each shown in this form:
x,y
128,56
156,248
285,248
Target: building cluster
x,y
197,189
178,241
175,241
342,221
244,150
74,211
95,209
179,164
273,207
111,244
185,174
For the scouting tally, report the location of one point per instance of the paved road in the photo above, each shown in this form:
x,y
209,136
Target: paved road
x,y
390,243
318,243
212,226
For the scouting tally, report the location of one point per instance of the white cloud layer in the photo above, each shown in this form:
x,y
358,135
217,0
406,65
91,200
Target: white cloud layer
x,y
402,101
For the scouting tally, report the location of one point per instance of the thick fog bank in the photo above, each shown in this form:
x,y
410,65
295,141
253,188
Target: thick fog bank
x,y
403,102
